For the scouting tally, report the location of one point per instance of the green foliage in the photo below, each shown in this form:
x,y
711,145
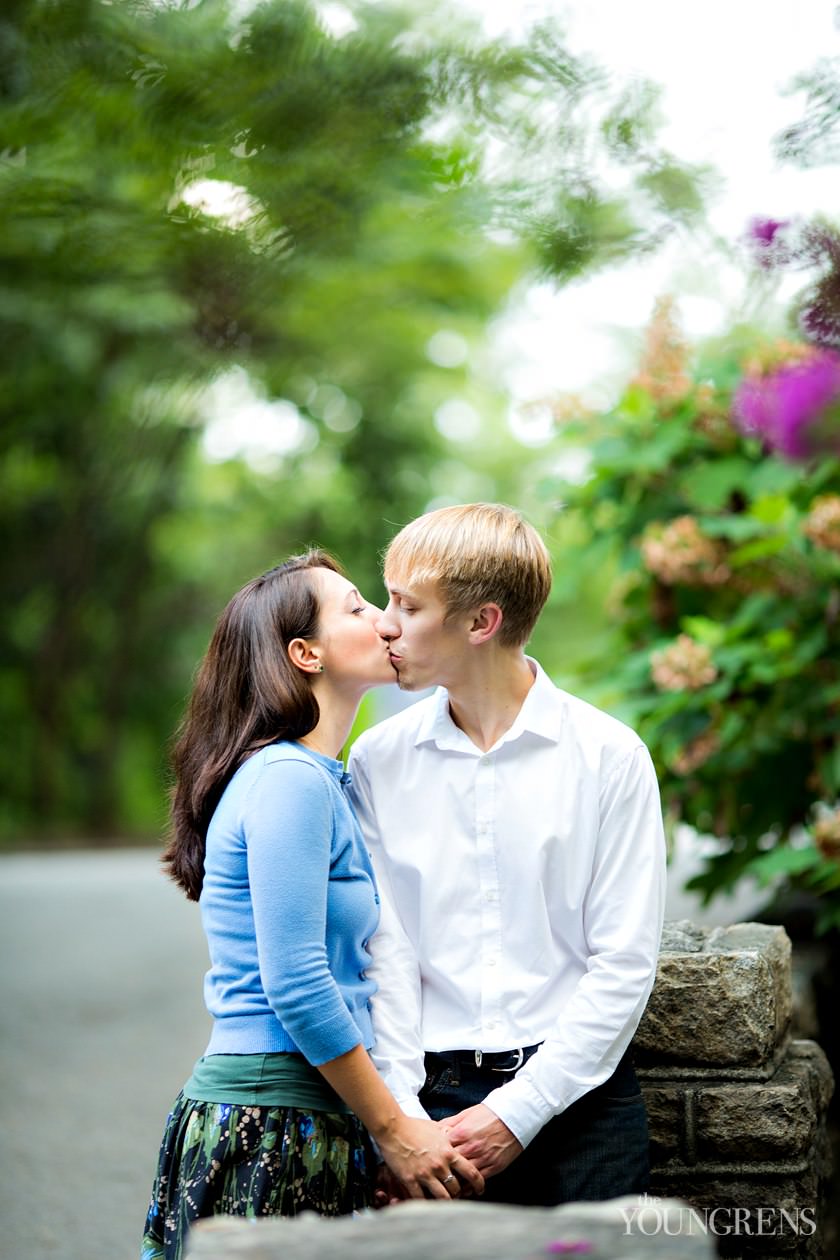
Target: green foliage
x,y
814,139
724,642
198,195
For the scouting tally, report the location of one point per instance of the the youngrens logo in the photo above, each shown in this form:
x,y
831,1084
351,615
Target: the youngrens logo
x,y
649,1216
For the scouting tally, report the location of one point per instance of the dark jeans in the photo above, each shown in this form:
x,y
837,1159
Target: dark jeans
x,y
596,1149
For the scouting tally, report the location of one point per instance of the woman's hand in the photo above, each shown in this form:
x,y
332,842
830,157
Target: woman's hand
x,y
418,1152
425,1163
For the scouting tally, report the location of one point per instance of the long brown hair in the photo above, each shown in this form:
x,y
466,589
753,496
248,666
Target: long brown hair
x,y
247,694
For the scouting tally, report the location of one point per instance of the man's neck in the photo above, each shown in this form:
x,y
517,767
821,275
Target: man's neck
x,y
486,702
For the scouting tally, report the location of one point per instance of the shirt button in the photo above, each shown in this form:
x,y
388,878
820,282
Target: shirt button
x,y
490,896
491,962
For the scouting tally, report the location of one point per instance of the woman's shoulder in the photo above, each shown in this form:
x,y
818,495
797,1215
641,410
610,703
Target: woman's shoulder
x,y
284,767
275,765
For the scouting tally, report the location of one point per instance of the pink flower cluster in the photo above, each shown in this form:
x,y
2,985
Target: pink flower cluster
x,y
684,665
696,753
822,524
680,553
827,835
791,407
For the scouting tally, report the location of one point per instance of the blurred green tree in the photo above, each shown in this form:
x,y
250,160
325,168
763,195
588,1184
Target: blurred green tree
x,y
219,220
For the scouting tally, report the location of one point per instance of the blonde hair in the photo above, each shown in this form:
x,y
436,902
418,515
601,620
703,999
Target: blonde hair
x,y
477,553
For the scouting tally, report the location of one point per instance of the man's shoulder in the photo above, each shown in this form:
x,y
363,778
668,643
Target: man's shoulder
x,y
593,727
397,729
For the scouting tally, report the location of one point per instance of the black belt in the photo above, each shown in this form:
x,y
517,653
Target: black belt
x,y
484,1060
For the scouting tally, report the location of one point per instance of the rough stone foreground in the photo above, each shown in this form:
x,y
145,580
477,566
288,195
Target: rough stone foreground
x,y
663,1230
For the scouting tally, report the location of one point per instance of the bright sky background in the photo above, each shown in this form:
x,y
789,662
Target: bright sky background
x,y
722,66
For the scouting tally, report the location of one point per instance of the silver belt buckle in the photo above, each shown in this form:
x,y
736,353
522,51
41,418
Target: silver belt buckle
x,y
478,1057
520,1059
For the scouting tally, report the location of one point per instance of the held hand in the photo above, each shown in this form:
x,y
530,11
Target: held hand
x,y
421,1157
388,1189
480,1135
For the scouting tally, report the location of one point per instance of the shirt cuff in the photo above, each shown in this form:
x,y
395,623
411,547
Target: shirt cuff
x,y
412,1106
521,1107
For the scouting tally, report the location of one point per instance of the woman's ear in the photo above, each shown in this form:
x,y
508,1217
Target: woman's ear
x,y
486,623
305,657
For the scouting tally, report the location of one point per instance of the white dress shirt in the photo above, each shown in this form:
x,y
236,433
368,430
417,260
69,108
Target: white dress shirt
x,y
522,894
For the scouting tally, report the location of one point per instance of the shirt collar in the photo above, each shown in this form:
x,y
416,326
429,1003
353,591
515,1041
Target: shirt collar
x,y
541,715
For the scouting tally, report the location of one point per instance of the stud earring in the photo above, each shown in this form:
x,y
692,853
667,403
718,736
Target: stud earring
x,y
320,668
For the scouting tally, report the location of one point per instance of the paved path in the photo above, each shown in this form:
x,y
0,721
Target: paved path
x,y
101,1018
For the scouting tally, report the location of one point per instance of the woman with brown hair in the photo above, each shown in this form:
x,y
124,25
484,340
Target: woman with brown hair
x,y
278,1114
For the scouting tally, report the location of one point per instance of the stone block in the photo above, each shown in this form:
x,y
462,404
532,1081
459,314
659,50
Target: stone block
x,y
665,1105
622,1229
769,1120
755,1218
819,1070
722,1001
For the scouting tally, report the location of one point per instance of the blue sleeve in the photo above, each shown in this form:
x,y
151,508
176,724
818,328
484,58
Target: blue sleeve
x,y
288,824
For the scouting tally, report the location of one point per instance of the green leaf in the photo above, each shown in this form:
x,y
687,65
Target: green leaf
x,y
774,477
708,486
779,640
704,630
771,509
829,768
736,527
784,860
760,549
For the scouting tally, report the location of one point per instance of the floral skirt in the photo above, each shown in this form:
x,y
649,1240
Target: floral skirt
x,y
222,1159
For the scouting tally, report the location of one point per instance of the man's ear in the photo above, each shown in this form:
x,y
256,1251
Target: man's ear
x,y
486,622
305,656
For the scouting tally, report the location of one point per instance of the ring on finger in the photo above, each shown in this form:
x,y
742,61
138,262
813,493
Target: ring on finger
x,y
451,1177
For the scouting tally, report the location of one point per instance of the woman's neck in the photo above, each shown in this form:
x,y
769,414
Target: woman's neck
x,y
330,734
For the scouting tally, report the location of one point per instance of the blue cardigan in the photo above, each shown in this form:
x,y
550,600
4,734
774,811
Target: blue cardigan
x,y
288,905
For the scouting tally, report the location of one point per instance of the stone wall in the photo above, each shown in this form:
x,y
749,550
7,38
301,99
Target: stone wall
x,y
737,1110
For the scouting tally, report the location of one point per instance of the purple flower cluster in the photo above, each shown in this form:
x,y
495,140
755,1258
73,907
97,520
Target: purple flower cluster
x,y
789,407
779,244
764,237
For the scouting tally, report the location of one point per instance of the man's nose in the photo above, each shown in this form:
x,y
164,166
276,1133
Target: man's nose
x,y
386,625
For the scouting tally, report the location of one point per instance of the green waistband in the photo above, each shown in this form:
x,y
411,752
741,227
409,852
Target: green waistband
x,y
262,1080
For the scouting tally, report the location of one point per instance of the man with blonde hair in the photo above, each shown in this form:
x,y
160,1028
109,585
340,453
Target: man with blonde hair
x,y
516,833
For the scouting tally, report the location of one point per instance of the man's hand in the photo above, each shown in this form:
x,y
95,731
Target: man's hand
x,y
388,1189
480,1135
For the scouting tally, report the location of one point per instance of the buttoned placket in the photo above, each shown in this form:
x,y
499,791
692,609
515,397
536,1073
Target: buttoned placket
x,y
490,932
